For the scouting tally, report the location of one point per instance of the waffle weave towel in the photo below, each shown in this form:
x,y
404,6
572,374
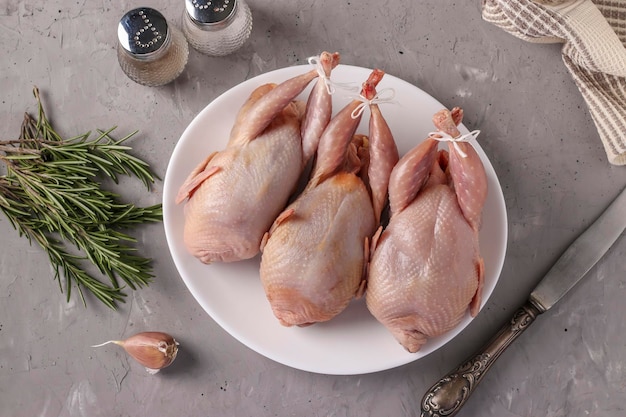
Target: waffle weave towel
x,y
593,34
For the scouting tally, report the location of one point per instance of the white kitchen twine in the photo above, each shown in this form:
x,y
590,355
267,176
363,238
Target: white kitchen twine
x,y
445,137
331,86
377,99
351,88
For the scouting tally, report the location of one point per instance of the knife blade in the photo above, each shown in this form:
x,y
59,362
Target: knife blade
x,y
449,394
583,254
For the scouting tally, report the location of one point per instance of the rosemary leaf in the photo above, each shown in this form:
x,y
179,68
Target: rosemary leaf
x,y
52,195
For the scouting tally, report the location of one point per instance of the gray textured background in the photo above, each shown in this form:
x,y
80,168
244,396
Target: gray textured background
x,y
535,129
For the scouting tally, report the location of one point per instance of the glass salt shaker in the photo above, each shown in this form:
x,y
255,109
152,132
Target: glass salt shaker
x,y
216,27
150,51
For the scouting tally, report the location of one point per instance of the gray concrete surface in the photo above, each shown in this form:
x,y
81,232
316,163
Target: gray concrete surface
x,y
535,129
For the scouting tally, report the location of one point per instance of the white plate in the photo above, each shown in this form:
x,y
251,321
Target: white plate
x,y
353,342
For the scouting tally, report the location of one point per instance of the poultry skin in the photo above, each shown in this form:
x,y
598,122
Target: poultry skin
x,y
314,256
426,268
234,195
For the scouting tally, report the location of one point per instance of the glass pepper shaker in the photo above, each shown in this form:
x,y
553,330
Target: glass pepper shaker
x,y
150,51
216,27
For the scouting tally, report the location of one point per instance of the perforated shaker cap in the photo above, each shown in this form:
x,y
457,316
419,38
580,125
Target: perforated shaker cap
x,y
210,12
143,31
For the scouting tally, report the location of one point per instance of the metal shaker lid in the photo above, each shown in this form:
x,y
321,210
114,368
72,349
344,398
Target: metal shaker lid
x,y
142,31
210,12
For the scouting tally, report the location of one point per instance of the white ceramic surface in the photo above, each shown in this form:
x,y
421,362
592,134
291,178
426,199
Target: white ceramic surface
x,y
354,342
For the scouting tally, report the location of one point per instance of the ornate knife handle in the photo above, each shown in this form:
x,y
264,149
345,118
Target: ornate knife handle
x,y
449,394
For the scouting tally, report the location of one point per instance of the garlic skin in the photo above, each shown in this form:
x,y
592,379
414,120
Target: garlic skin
x,y
154,350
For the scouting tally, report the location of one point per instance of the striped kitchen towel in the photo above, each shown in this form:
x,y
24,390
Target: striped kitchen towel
x,y
593,34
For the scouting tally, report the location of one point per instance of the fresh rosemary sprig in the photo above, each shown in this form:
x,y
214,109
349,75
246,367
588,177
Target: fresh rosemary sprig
x,y
52,195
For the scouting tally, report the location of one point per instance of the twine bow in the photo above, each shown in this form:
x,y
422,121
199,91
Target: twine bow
x,y
445,137
377,99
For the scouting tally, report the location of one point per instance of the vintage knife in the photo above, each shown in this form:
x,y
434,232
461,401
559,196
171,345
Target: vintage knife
x,y
450,393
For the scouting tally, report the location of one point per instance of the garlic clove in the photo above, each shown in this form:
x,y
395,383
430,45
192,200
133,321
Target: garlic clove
x,y
154,350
